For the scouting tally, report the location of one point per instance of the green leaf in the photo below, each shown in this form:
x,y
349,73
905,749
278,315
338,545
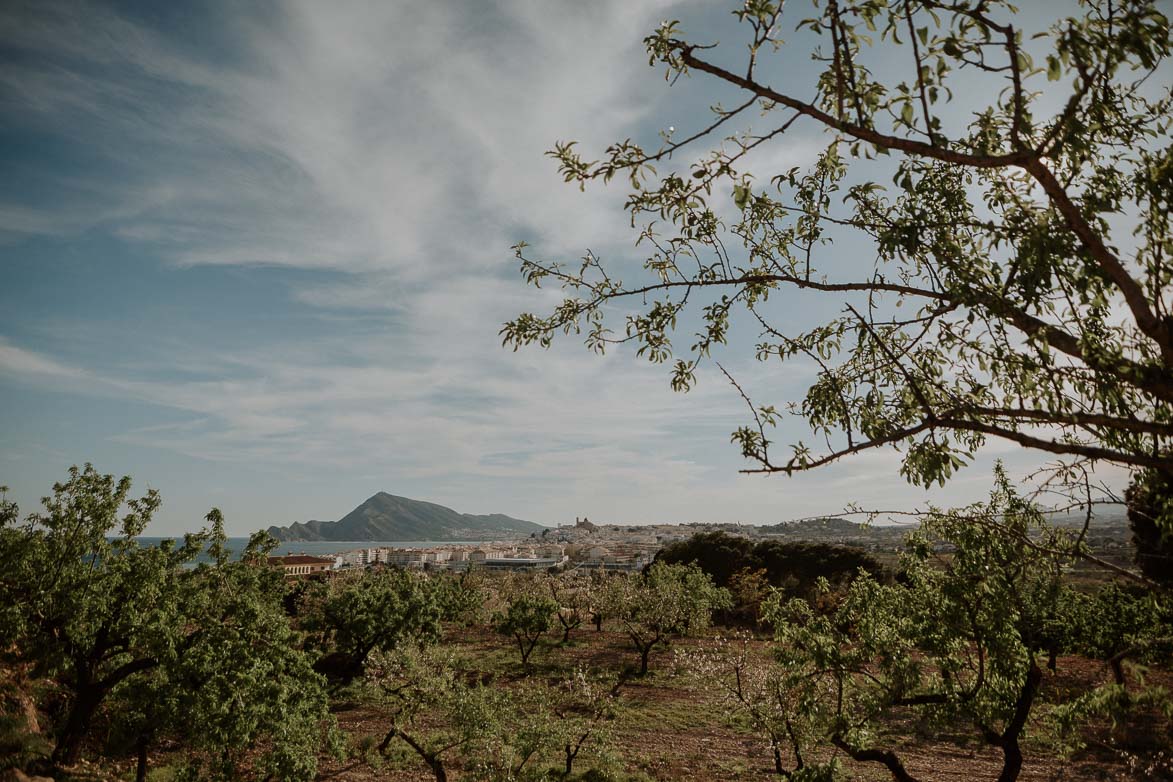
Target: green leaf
x,y
1054,68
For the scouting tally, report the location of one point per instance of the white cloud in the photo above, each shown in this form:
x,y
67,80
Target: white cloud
x,y
33,366
361,137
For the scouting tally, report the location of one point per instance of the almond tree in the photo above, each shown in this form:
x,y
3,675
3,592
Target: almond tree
x,y
665,601
956,645
89,611
375,610
443,713
527,618
583,712
784,706
1011,186
573,597
203,657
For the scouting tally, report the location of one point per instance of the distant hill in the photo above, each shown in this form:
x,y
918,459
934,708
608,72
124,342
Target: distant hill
x,y
387,517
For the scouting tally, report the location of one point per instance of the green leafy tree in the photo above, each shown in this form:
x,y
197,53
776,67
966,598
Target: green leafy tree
x,y
152,650
377,609
527,618
785,706
957,644
665,601
90,612
1017,210
572,594
243,698
1119,622
1150,499
796,564
461,597
748,589
441,714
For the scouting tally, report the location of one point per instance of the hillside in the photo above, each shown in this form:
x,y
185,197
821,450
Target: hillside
x,y
388,517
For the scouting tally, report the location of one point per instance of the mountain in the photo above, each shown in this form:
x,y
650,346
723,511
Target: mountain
x,y
387,517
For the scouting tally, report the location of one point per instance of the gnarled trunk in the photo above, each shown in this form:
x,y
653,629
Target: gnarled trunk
x,y
77,725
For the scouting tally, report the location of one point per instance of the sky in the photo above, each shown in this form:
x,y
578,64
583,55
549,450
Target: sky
x,y
256,256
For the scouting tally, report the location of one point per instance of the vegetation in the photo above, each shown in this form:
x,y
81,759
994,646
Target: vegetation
x,y
1150,498
211,678
797,566
1020,291
378,611
1017,215
665,601
956,645
123,629
572,597
960,641
527,619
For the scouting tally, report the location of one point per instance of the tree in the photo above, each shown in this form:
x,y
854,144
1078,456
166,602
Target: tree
x,y
583,713
89,611
748,589
1150,498
439,712
1119,622
573,598
149,649
417,681
785,706
664,601
461,597
377,609
958,641
1025,232
527,618
795,564
243,694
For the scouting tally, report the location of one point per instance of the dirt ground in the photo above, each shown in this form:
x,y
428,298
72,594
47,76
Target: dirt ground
x,y
668,730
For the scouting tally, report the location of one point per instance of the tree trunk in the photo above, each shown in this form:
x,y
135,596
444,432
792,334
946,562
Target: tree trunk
x,y
140,773
76,726
565,634
1011,761
644,652
1011,752
526,647
569,762
778,760
1118,670
890,760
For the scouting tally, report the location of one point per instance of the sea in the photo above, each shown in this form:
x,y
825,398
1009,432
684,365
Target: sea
x,y
323,548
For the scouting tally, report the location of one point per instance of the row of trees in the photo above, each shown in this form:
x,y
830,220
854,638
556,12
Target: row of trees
x,y
956,646
129,647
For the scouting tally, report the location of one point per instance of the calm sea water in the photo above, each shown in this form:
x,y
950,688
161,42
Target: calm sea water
x,y
326,548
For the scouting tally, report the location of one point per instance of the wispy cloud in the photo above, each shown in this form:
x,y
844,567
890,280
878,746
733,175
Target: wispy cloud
x,y
33,366
359,137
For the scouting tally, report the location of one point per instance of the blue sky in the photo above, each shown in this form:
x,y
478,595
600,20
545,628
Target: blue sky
x,y
257,258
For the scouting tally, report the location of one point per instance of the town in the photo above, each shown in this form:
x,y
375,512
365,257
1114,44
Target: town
x,y
631,548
